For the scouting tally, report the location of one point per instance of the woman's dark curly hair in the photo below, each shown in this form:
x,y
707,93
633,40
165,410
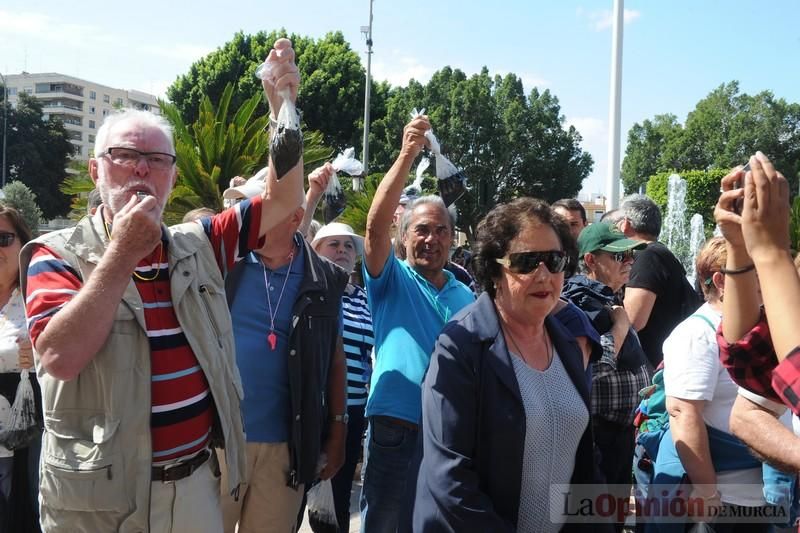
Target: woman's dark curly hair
x,y
502,224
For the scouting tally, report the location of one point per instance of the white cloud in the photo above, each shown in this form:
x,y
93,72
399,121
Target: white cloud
x,y
603,19
398,69
594,132
590,128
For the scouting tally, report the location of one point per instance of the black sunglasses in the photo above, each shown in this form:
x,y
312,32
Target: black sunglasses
x,y
526,262
621,257
6,239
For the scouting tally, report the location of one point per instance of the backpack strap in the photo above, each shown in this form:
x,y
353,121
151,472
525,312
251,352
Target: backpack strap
x,y
704,319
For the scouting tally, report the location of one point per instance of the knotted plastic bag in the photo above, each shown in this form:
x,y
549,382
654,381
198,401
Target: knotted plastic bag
x,y
22,426
333,197
415,189
286,143
451,181
321,510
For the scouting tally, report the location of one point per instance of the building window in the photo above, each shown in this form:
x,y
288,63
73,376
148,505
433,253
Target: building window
x,y
105,112
91,124
106,99
91,110
118,102
12,91
91,137
28,90
93,95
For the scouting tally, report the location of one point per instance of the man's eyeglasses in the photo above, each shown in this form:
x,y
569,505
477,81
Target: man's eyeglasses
x,y
128,157
526,262
6,239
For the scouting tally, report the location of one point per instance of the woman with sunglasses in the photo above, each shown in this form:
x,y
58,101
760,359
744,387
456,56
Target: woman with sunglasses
x,y
505,401
19,485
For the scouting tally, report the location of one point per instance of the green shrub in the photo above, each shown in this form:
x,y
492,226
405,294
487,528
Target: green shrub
x,y
17,195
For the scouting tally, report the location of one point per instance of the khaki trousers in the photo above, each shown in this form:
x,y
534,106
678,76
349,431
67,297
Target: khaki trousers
x,y
189,505
266,504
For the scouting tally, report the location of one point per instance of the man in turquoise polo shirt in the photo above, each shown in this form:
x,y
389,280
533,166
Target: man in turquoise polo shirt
x,y
410,301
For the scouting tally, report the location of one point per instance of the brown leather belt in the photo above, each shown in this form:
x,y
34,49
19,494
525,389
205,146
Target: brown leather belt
x,y
172,473
398,422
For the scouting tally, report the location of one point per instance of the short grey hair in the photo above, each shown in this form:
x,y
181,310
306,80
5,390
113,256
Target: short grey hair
x,y
145,118
431,199
643,214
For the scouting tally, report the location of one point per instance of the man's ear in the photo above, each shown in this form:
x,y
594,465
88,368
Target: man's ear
x,y
589,260
93,170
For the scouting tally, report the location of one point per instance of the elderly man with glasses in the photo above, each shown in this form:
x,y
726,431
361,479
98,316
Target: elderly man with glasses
x,y
607,258
133,340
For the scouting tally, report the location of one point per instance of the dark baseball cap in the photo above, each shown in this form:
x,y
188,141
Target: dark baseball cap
x,y
605,237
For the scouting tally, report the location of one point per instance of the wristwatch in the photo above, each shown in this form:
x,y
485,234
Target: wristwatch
x,y
344,419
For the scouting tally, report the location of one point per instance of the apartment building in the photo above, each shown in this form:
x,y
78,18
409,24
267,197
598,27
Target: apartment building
x,y
82,105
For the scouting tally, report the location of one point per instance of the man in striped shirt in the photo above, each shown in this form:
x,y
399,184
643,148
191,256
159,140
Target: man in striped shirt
x,y
134,344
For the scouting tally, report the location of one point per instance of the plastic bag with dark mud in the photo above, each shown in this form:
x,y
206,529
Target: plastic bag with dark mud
x,y
22,426
321,510
452,182
334,198
286,142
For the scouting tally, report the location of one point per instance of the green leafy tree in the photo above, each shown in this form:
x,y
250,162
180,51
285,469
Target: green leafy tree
x,y
644,155
331,88
37,153
17,195
507,144
723,130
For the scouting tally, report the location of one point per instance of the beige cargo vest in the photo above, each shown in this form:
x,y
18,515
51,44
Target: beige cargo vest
x,y
96,449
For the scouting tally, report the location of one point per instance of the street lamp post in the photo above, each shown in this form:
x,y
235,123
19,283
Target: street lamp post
x,y
367,31
5,125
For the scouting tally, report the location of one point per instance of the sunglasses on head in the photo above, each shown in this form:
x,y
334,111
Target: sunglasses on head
x,y
526,262
6,239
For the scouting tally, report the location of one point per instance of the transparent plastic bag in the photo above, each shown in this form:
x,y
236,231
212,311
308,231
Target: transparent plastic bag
x,y
286,143
452,182
333,197
23,426
321,510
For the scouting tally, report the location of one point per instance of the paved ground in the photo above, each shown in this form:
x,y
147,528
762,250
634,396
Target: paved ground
x,y
355,518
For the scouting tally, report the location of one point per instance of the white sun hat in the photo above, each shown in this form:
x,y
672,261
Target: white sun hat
x,y
337,229
253,187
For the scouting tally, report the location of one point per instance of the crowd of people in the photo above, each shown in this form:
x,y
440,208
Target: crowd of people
x,y
204,377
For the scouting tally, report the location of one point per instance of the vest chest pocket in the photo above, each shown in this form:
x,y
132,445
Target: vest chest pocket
x,y
81,470
121,341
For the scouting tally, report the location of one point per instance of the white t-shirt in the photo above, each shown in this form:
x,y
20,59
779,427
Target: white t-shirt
x,y
692,371
12,327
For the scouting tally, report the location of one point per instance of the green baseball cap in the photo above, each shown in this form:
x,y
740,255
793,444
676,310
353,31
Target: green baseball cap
x,y
604,236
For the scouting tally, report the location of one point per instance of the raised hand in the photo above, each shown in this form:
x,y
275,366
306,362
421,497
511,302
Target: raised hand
x,y
765,214
284,75
136,230
414,139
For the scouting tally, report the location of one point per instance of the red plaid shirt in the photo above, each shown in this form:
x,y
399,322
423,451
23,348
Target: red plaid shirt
x,y
752,363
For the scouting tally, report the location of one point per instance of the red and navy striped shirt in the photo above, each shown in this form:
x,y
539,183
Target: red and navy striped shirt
x,y
181,406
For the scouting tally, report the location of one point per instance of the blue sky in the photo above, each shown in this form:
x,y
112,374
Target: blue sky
x,y
675,52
